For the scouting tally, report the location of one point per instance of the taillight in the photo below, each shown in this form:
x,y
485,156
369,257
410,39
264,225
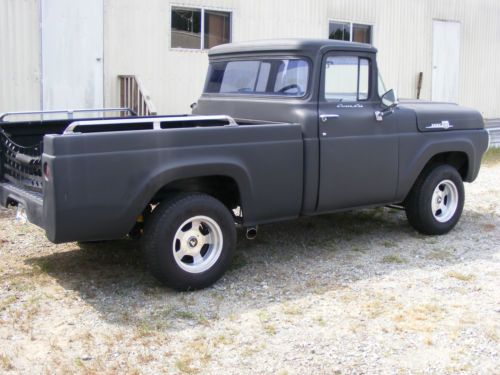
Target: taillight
x,y
46,171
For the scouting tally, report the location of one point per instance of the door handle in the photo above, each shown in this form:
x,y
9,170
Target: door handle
x,y
325,118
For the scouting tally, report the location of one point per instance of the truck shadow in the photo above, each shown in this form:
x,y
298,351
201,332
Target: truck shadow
x,y
287,261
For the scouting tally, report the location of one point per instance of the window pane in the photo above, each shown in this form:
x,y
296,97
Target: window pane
x,y
240,76
341,78
292,77
269,77
340,31
362,33
217,28
186,28
347,78
364,78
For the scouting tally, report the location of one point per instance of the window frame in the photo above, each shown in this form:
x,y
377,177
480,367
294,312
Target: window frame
x,y
371,85
307,92
351,26
202,9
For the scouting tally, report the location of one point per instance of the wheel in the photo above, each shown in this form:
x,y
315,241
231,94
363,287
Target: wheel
x,y
436,201
188,241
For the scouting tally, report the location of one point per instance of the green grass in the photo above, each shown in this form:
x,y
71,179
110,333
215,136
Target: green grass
x,y
393,258
492,156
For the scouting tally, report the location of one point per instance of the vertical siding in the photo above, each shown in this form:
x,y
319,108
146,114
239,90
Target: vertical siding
x,y
19,55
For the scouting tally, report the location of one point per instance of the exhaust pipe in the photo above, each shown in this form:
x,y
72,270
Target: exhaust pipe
x,y
251,233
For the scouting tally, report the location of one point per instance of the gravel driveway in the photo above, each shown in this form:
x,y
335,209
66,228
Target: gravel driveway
x,y
357,292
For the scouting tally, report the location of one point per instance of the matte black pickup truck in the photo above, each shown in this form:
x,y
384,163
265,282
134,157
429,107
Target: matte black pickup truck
x,y
283,129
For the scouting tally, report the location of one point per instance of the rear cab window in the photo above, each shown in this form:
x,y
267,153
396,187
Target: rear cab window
x,y
266,77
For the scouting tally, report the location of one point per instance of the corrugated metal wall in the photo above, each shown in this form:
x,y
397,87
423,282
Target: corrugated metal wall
x,y
19,55
137,41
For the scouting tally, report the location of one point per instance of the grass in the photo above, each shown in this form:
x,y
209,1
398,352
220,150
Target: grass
x,y
5,363
393,258
460,276
185,365
492,156
6,302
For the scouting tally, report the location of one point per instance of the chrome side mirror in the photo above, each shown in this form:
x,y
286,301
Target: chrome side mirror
x,y
389,102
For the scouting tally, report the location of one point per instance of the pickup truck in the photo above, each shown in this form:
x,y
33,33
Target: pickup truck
x,y
283,129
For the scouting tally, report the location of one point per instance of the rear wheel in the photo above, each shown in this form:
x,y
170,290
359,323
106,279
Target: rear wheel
x,y
435,203
188,241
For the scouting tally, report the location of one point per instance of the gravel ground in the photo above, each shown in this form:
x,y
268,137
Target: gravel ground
x,y
357,292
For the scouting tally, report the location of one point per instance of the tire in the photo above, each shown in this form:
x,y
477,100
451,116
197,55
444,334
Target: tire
x,y
189,240
436,201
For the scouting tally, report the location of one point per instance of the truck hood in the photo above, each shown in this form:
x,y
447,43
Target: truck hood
x,y
434,116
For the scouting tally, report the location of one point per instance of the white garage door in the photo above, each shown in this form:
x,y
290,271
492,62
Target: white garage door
x,y
445,61
72,52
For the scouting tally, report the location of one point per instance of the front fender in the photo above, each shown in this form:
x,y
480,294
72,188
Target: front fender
x,y
417,150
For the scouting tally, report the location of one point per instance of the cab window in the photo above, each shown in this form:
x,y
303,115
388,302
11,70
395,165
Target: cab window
x,y
279,77
347,78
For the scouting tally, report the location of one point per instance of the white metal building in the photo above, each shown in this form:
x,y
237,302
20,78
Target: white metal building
x,y
60,53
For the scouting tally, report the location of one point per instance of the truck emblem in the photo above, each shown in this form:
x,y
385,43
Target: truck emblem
x,y
349,105
440,125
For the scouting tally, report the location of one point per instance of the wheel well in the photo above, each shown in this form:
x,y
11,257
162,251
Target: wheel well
x,y
222,188
456,159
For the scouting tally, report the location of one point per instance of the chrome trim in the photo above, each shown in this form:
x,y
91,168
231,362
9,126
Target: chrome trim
x,y
324,118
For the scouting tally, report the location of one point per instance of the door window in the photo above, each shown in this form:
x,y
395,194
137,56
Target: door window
x,y
347,78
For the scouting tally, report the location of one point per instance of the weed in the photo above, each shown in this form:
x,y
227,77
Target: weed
x,y
5,363
187,315
320,321
389,244
393,258
460,276
6,302
270,329
292,309
185,365
492,156
438,255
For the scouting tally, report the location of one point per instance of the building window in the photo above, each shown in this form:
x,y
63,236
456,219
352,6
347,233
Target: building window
x,y
199,28
347,78
350,32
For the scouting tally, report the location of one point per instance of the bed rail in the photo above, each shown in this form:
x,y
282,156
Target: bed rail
x,y
154,121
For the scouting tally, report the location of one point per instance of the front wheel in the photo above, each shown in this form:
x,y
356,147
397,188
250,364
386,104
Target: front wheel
x,y
435,203
188,241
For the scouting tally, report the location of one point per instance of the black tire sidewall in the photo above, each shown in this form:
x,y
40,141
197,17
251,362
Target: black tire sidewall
x,y
435,177
165,222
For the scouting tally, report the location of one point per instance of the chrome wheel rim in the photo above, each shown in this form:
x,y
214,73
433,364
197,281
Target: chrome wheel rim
x,y
444,201
197,244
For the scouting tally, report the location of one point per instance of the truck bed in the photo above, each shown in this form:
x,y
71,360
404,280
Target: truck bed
x,y
105,171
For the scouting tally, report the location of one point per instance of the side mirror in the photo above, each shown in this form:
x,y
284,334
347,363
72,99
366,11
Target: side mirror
x,y
389,99
389,102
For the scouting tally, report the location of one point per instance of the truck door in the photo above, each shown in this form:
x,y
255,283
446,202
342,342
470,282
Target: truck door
x,y
358,154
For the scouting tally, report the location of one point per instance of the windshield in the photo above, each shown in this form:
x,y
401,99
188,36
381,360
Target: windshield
x,y
285,77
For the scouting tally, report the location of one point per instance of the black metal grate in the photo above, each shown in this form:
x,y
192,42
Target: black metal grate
x,y
21,165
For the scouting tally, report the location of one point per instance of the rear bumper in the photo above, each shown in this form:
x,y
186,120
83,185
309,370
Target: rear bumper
x,y
33,202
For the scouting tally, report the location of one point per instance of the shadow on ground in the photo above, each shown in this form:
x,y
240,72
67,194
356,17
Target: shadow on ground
x,y
287,261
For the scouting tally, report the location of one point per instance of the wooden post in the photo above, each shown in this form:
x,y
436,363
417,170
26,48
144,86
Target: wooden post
x,y
419,84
